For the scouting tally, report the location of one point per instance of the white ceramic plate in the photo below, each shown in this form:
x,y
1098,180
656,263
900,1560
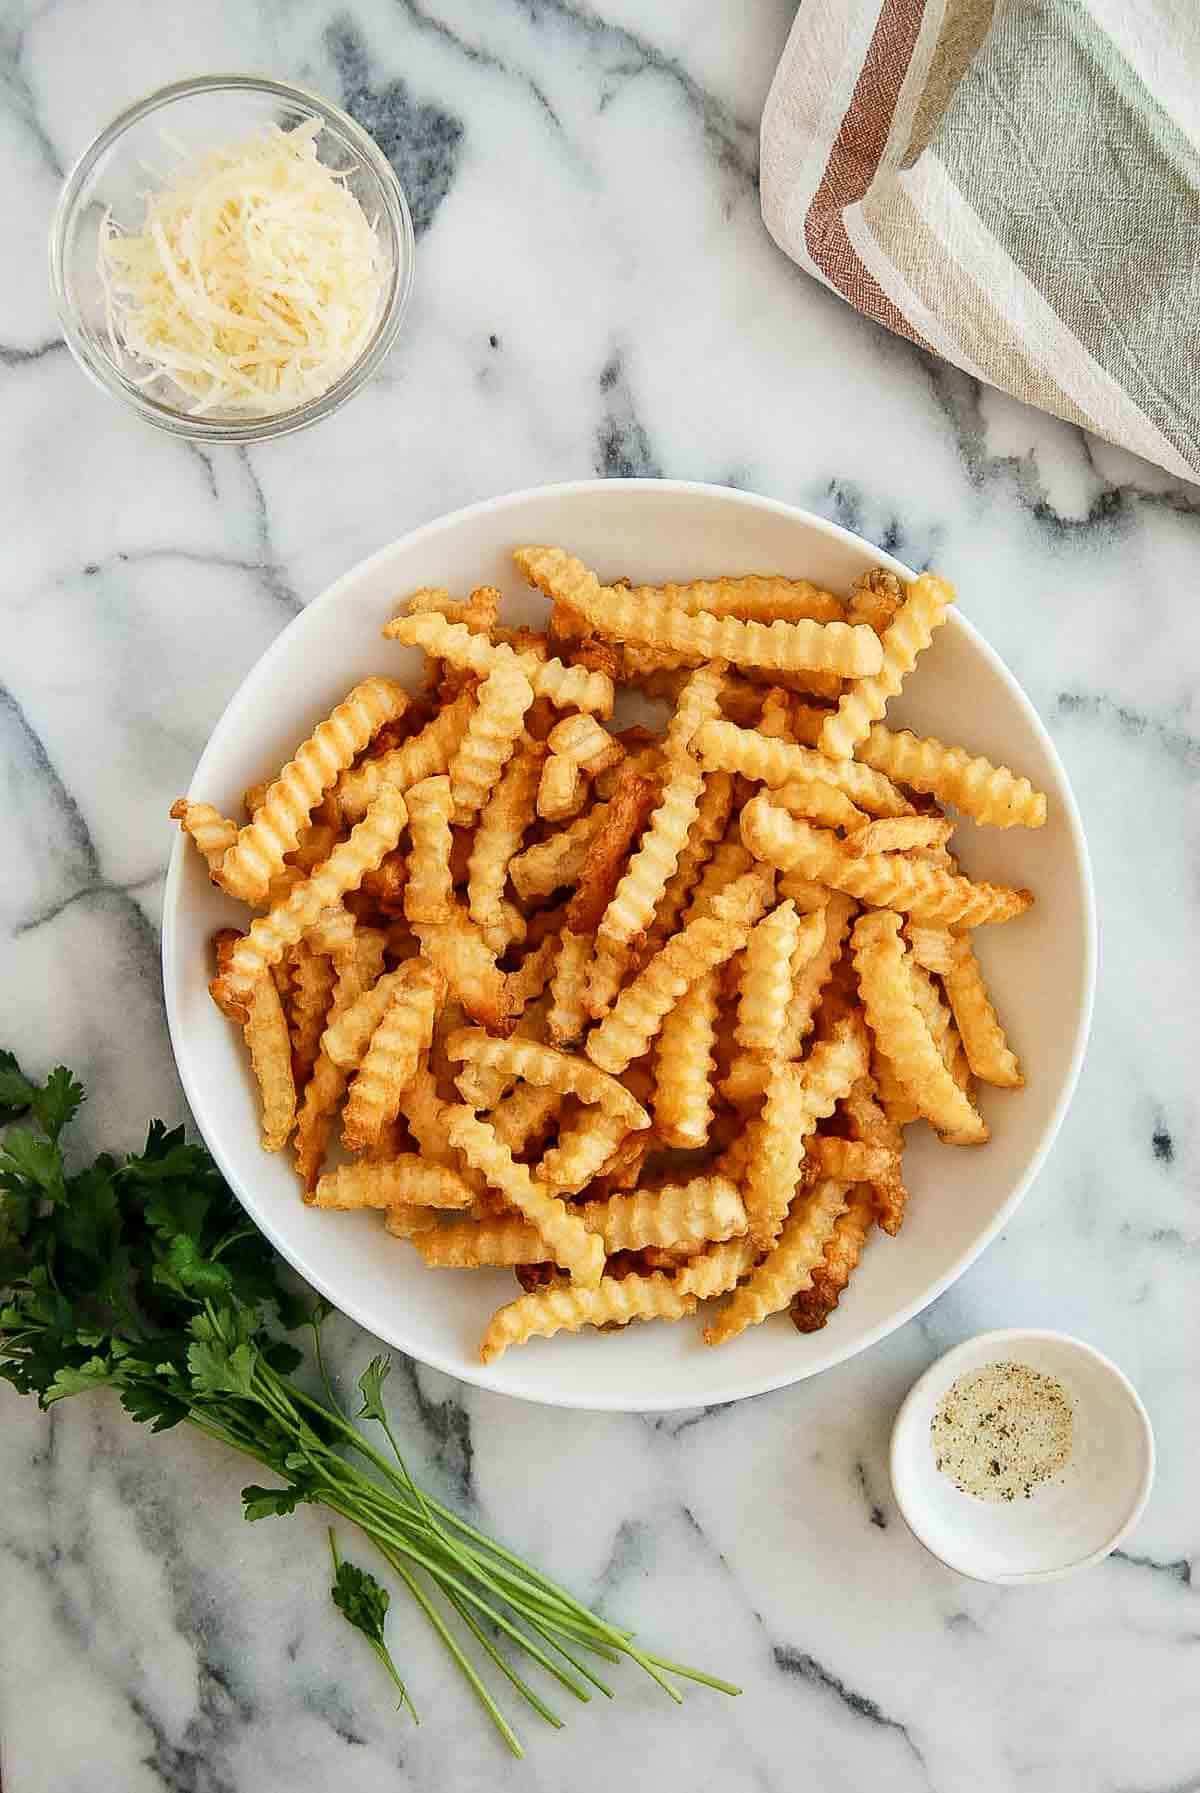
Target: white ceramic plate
x,y
1041,967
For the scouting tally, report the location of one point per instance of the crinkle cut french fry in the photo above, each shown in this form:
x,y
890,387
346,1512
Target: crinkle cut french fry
x,y
347,1036
459,951
582,739
531,977
712,817
724,747
902,1034
326,1086
568,687
872,1126
631,807
988,1052
212,832
683,1064
562,789
606,972
478,612
429,892
716,1269
408,1180
646,617
567,1307
901,834
988,793
266,1035
391,1059
939,1020
820,802
271,935
798,1096
931,947
586,1143
567,1239
502,824
523,1117
635,1018
818,948
910,631
424,755
557,862
309,999
766,984
689,1215
812,1307
568,1016
491,737
875,598
889,880
753,597
258,853
849,1160
787,1267
552,1069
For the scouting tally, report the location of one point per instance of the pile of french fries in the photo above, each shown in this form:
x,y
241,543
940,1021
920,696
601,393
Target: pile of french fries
x,y
641,1015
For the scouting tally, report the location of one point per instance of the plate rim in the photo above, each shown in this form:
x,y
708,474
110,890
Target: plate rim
x,y
499,1380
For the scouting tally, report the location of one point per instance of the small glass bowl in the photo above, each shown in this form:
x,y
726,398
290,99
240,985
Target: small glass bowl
x,y
114,172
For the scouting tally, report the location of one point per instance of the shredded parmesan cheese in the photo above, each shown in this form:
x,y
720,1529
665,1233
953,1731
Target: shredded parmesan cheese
x,y
254,283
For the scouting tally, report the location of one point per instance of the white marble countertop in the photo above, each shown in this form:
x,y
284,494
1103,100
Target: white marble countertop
x,y
595,294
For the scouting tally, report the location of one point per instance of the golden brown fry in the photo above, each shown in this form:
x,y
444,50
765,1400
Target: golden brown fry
x,y
270,935
423,755
812,1307
347,1036
460,953
788,1266
712,816
649,617
924,890
212,832
705,1210
567,1239
871,1126
502,824
567,1307
550,1069
599,872
259,851
606,972
645,878
408,1180
392,1058
429,892
530,979
716,1269
766,980
849,1160
524,1117
924,608
478,612
752,598
568,1016
820,802
555,863
586,1144
988,1052
310,996
637,1015
409,1222
490,740
798,1096
988,793
900,834
266,1035
683,1063
569,687
903,1035
562,791
875,598
326,1086
931,947
723,747
584,741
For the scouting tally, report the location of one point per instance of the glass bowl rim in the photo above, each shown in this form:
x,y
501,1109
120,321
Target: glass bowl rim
x,y
98,365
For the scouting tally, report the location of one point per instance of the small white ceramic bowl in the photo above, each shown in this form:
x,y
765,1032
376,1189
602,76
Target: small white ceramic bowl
x,y
1068,1523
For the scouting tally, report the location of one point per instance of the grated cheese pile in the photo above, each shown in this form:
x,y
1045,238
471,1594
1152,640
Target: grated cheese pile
x,y
254,283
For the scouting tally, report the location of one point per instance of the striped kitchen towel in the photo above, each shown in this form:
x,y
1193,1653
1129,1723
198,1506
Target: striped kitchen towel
x,y
1014,184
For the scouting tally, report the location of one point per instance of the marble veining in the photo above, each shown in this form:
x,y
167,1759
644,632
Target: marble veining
x,y
595,294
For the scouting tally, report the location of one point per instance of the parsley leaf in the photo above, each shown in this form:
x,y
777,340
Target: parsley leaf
x,y
370,1386
16,1091
37,1161
57,1101
364,1604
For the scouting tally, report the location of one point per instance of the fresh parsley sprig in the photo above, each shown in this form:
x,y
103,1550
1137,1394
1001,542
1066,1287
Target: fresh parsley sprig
x,y
143,1275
